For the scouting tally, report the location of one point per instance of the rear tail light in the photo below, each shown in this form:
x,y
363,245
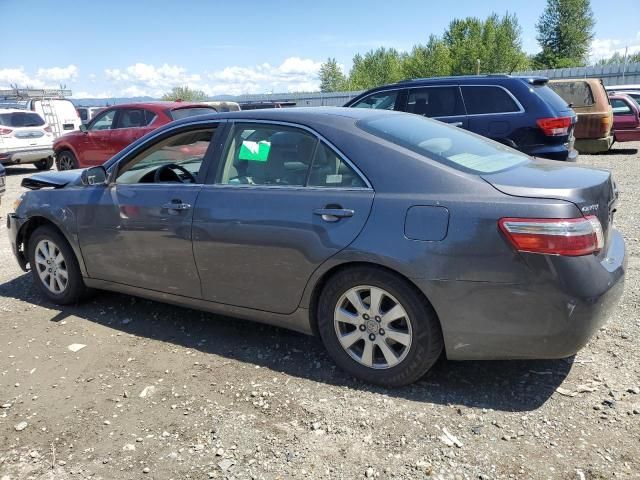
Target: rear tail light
x,y
48,129
554,236
555,126
5,131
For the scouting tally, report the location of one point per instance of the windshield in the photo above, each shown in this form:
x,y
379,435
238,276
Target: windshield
x,y
578,94
191,112
21,119
443,143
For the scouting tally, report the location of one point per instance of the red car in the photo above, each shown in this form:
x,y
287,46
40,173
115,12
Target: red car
x,y
626,118
115,127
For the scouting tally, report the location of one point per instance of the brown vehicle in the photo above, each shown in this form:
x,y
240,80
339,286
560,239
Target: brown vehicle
x,y
589,99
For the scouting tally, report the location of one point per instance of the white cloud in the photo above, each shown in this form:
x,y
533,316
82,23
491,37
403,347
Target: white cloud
x,y
606,47
57,74
85,94
144,79
17,76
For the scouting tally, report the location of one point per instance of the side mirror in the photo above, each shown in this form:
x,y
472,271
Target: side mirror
x,y
94,176
83,128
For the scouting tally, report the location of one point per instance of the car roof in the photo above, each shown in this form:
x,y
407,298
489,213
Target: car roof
x,y
159,105
463,79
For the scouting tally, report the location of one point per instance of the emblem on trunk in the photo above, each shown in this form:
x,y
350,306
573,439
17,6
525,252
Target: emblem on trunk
x,y
590,208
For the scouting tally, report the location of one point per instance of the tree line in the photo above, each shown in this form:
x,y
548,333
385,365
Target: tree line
x,y
472,45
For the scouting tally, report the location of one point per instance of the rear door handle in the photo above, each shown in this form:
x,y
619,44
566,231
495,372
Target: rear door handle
x,y
176,205
333,214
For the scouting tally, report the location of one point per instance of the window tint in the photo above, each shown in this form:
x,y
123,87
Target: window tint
x,y
435,101
329,170
550,97
379,101
132,118
21,119
185,149
443,143
487,99
190,112
103,121
578,94
268,155
620,107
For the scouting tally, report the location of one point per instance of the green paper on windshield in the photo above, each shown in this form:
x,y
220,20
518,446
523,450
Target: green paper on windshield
x,y
254,151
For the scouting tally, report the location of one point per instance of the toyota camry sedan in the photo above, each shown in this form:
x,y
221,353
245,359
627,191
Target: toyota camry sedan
x,y
395,238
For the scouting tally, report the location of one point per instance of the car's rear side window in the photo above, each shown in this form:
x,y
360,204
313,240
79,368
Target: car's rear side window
x,y
435,101
483,99
21,119
578,94
379,101
190,112
552,98
443,143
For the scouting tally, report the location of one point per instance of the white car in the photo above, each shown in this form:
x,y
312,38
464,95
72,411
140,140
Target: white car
x,y
25,138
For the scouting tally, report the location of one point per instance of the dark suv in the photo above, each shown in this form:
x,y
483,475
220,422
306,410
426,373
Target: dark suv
x,y
521,112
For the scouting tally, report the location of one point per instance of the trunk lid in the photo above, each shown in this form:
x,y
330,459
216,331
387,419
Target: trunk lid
x,y
592,191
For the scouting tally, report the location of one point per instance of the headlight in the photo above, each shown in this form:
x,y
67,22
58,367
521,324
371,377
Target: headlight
x,y
18,201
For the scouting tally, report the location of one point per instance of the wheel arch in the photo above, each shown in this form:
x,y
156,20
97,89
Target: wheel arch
x,y
61,148
27,229
319,285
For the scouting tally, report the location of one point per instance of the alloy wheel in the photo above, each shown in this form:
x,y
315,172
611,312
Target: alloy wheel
x,y
373,327
65,162
51,266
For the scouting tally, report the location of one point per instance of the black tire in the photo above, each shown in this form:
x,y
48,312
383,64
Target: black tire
x,y
44,164
66,160
427,343
75,289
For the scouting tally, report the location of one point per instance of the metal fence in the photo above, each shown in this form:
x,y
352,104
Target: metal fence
x,y
610,74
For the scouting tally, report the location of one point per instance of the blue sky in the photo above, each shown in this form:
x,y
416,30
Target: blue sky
x,y
107,48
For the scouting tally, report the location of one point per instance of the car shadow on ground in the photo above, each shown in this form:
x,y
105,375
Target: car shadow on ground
x,y
617,150
515,386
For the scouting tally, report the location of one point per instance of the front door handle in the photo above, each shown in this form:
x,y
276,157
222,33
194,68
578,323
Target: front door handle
x,y
176,205
456,124
333,214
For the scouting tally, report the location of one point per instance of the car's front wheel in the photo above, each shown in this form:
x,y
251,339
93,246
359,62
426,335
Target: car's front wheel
x,y
378,327
66,160
54,266
44,164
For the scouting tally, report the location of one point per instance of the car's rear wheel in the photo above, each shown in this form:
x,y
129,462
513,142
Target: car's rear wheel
x,y
44,164
66,160
378,327
54,266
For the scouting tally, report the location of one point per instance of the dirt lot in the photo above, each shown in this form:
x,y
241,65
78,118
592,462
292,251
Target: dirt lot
x,y
163,392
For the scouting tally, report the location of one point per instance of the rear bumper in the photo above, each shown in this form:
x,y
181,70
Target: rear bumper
x,y
554,152
553,316
594,145
25,156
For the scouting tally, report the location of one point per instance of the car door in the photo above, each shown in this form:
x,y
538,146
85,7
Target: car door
x,y
624,116
130,125
281,203
94,147
443,103
137,230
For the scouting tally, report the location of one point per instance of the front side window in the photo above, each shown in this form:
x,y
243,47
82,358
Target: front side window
x,y
443,143
487,99
103,121
379,101
620,107
435,101
268,155
176,159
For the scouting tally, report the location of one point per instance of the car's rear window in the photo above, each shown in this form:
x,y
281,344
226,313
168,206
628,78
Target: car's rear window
x,y
578,94
191,112
21,119
551,97
446,144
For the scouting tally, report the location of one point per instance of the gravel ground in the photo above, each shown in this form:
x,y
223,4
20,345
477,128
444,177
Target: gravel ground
x,y
164,392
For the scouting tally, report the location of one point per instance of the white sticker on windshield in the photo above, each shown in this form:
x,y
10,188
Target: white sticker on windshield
x,y
334,178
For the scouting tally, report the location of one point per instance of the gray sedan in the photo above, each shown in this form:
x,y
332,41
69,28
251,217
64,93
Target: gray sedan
x,y
395,238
